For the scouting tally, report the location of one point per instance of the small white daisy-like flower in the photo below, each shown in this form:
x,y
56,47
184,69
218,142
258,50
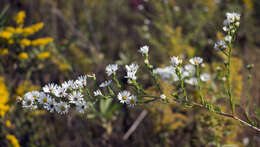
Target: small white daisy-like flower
x,y
49,88
131,71
50,105
232,17
77,84
220,45
144,50
196,60
192,81
131,101
175,61
35,94
105,83
81,106
123,96
97,93
60,92
111,68
190,69
163,96
75,97
62,108
28,101
166,74
44,98
228,38
205,77
83,80
68,84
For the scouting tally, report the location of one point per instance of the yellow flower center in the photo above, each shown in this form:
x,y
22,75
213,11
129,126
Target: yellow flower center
x,y
132,101
63,108
29,102
124,97
45,100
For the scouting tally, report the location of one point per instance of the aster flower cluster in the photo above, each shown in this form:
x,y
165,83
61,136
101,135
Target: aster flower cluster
x,y
187,71
231,24
58,98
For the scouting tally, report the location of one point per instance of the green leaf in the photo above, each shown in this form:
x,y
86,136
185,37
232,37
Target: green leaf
x,y
104,105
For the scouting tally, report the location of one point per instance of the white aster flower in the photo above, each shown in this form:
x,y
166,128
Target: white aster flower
x,y
144,50
77,84
123,96
62,108
192,81
83,80
105,83
196,60
50,105
75,97
166,74
228,38
131,101
49,88
111,68
220,45
44,98
163,96
232,17
205,77
189,69
81,106
28,101
35,94
131,71
68,84
60,92
176,61
97,93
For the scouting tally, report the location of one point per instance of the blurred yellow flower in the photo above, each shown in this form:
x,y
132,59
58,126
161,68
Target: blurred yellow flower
x,y
18,30
5,34
32,29
10,29
8,123
43,55
23,56
19,18
3,98
13,140
25,42
3,51
42,41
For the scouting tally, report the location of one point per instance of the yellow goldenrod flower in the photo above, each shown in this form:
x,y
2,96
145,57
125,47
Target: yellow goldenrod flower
x,y
42,41
25,42
10,29
13,140
18,30
3,51
5,34
8,123
3,98
10,41
32,29
19,18
23,56
43,55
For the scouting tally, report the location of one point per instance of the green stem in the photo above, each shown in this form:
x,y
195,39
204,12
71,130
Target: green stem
x,y
117,82
177,70
228,78
199,86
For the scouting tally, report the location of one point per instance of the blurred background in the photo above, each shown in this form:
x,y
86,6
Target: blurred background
x,y
59,40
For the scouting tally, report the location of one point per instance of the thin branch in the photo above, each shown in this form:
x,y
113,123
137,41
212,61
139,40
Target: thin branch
x,y
135,124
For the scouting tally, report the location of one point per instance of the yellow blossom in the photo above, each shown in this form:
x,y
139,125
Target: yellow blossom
x,y
3,98
32,29
8,123
19,18
18,30
25,42
13,140
23,56
10,29
11,41
3,51
42,41
5,34
43,55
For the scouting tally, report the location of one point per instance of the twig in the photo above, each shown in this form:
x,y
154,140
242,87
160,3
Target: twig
x,y
135,124
230,116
